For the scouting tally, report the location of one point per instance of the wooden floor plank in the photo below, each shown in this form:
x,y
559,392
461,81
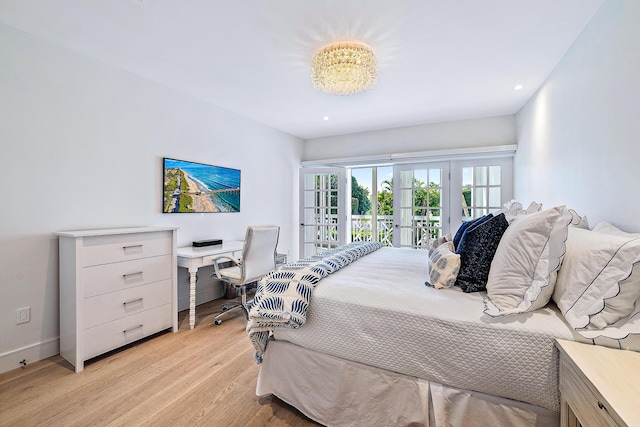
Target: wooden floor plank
x,y
204,376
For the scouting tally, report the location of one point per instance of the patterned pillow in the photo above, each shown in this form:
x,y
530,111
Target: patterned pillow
x,y
439,241
466,225
444,265
476,249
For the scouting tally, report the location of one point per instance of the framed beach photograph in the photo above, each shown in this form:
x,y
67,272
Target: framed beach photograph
x,y
191,187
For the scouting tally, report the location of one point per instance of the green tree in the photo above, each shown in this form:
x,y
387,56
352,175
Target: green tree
x,y
423,197
360,203
385,198
466,202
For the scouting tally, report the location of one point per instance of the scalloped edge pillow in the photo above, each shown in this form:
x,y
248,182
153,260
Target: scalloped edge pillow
x,y
598,286
606,228
513,209
524,268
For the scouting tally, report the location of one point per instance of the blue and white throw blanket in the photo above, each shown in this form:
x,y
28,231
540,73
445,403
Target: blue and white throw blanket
x,y
282,296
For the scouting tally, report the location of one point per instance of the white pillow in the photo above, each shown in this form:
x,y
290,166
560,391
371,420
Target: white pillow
x,y
513,209
444,265
579,221
598,286
524,268
606,228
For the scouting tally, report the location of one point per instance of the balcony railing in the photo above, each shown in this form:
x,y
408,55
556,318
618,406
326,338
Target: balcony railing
x,y
425,228
361,229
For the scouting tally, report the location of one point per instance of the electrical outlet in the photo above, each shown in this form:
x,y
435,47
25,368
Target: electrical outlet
x,y
23,315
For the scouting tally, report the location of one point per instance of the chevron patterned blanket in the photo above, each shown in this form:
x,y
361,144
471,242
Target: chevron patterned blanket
x,y
282,296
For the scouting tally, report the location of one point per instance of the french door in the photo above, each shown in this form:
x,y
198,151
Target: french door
x,y
421,203
322,209
428,200
482,187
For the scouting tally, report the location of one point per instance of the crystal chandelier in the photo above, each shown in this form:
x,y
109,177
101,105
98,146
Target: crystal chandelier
x,y
344,69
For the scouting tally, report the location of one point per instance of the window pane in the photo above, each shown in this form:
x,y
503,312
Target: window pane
x,y
420,197
406,217
494,197
406,198
309,181
494,175
406,179
421,212
333,181
435,197
481,175
420,175
324,199
333,198
435,177
309,217
480,198
467,176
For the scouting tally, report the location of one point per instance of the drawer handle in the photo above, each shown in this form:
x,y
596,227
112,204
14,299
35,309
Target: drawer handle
x,y
601,406
132,247
137,273
132,301
132,329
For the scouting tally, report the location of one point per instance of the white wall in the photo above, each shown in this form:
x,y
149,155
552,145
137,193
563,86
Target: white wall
x,y
484,132
579,136
81,147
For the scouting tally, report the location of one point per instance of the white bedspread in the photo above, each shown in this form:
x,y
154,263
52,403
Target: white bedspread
x,y
377,311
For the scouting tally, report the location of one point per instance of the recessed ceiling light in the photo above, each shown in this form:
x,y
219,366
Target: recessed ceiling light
x,y
325,118
518,87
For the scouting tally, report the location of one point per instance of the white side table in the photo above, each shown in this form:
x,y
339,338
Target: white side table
x,y
599,386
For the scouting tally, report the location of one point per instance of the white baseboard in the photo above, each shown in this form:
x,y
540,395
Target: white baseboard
x,y
31,353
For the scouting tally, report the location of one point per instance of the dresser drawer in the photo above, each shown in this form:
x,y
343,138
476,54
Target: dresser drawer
x,y
99,250
117,333
114,305
101,279
582,398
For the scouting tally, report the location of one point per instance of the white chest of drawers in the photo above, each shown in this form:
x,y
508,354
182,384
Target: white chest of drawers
x,y
116,286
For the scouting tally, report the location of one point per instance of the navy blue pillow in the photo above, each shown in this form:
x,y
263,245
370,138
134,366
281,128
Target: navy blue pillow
x,y
465,226
477,248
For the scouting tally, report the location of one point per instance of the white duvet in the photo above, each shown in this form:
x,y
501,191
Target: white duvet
x,y
377,311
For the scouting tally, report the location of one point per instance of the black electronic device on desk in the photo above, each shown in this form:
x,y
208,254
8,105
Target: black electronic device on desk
x,y
203,243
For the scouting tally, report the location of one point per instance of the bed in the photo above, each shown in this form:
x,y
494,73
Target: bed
x,y
378,347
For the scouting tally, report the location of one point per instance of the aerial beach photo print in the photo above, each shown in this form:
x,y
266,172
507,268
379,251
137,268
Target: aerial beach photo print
x,y
197,187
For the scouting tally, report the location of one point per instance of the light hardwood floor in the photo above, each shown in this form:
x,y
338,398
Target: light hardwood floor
x,y
205,376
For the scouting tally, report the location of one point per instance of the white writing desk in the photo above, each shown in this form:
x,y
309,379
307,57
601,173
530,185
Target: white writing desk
x,y
193,258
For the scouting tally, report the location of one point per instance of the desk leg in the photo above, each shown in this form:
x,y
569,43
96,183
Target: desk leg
x,y
192,297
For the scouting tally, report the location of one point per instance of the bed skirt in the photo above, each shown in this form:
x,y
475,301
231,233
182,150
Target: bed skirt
x,y
338,392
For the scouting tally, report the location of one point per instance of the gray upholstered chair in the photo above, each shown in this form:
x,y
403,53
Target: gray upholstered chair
x,y
258,258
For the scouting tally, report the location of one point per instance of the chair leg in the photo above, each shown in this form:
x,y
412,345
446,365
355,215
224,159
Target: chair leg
x,y
226,309
233,305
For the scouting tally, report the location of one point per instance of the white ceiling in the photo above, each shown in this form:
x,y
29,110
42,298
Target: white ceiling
x,y
439,60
